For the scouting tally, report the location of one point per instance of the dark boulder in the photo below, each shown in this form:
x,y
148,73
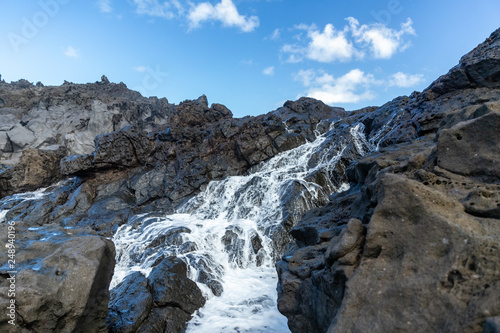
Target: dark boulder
x,y
162,302
161,320
305,236
130,304
76,164
438,259
289,141
171,287
479,68
492,325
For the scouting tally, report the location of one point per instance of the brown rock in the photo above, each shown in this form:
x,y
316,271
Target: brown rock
x,y
35,169
62,281
472,148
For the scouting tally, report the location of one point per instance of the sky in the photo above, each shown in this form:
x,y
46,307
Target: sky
x,y
250,55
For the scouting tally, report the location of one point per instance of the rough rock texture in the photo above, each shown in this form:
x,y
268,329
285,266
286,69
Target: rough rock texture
x,y
130,303
35,169
137,169
477,69
62,281
472,148
413,245
171,287
118,155
71,115
163,302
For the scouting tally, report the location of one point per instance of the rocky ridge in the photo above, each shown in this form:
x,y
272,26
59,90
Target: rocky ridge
x,y
421,212
158,156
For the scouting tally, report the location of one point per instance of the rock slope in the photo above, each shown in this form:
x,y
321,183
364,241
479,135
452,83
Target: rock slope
x,y
149,159
413,245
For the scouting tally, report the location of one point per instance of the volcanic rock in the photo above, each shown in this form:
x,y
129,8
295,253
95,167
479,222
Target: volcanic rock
x,y
413,244
62,279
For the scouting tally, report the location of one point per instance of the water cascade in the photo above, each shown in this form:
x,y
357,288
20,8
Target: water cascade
x,y
232,232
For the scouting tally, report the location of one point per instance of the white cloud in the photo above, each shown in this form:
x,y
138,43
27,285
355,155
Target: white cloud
x,y
352,87
268,71
403,80
105,6
306,77
247,62
225,12
382,41
325,79
165,9
310,77
329,45
295,53
71,52
353,41
140,69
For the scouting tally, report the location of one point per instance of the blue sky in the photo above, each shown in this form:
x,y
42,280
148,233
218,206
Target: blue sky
x,y
251,55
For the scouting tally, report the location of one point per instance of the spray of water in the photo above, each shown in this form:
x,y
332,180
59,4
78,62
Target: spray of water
x,y
229,234
225,234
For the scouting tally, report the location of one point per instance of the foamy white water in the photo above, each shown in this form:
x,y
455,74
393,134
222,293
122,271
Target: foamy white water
x,y
224,235
18,198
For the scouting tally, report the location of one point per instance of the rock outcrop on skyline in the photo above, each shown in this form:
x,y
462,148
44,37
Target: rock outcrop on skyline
x,y
413,244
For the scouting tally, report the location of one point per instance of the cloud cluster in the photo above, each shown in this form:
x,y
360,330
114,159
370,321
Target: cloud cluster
x,y
352,87
403,80
354,41
225,12
140,69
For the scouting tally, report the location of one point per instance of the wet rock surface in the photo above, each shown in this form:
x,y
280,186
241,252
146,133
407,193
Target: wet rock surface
x,y
62,279
152,165
413,244
162,302
137,169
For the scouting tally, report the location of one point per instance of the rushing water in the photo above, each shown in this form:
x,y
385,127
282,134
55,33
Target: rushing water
x,y
231,234
225,234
